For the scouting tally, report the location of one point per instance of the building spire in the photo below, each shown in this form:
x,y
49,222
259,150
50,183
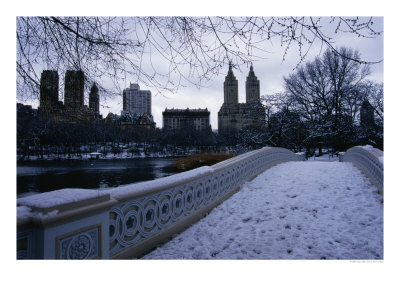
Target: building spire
x,y
230,87
94,87
230,72
251,73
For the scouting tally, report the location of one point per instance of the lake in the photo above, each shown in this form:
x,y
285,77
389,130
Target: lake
x,y
43,176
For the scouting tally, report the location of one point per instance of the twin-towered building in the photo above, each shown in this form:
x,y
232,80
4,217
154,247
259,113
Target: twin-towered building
x,y
73,108
234,116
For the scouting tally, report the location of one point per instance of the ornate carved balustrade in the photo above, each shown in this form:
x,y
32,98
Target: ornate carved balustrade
x,y
131,220
369,160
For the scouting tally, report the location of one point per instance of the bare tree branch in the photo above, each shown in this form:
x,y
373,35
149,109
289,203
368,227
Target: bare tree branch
x,y
165,52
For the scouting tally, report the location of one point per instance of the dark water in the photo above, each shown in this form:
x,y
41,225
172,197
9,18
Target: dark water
x,y
43,176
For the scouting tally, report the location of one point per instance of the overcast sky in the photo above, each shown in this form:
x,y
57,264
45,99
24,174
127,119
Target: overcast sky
x,y
270,71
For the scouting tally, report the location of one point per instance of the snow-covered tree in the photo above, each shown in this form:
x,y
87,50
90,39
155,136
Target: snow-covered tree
x,y
328,93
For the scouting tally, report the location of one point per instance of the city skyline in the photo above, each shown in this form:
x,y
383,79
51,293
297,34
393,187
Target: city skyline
x,y
269,70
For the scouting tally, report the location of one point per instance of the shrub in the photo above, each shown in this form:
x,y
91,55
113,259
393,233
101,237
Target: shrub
x,y
203,159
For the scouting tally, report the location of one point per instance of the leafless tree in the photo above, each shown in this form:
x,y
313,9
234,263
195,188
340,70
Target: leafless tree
x,y
276,102
324,86
328,92
376,99
164,52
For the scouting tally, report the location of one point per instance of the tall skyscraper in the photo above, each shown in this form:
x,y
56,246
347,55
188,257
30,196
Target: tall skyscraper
x,y
48,89
94,99
74,89
231,95
136,101
252,88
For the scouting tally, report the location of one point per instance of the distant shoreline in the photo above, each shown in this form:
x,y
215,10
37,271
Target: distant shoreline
x,y
107,157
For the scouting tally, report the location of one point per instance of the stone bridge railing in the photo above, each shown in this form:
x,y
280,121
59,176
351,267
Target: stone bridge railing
x,y
369,160
130,220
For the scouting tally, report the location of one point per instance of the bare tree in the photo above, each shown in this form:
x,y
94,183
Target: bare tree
x,y
164,52
375,97
328,93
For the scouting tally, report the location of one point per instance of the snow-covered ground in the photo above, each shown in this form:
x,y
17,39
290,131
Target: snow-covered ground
x,y
296,210
325,157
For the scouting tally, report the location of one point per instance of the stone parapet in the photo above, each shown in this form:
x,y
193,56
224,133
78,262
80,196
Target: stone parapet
x,y
131,220
369,160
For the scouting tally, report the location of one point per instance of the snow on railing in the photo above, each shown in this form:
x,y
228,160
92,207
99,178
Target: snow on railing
x,y
369,160
130,220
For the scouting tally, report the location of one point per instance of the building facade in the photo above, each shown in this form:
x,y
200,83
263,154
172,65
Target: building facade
x,y
74,89
136,101
94,99
234,116
48,89
367,119
131,121
175,119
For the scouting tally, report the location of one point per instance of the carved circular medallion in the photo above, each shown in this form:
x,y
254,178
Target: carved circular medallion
x,y
80,247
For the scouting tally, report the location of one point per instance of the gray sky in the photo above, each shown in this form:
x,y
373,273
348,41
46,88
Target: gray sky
x,y
270,71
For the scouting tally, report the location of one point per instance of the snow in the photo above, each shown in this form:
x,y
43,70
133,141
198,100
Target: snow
x,y
296,210
24,212
143,187
325,157
58,197
366,147
374,151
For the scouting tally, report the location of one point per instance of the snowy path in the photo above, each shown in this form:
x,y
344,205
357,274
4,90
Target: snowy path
x,y
296,210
